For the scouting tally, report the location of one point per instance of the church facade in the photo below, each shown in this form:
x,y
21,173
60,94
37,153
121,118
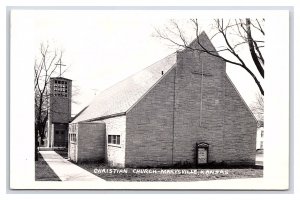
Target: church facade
x,y
182,109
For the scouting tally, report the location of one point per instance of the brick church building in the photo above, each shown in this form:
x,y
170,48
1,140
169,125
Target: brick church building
x,y
181,109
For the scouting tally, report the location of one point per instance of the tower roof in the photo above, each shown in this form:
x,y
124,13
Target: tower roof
x,y
60,78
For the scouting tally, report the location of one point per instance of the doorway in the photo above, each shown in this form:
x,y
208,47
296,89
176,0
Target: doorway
x,y
59,138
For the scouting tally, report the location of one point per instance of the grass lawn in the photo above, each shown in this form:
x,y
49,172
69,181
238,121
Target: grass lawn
x,y
43,172
159,174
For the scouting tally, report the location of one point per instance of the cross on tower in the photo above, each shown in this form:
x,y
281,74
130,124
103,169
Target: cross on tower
x,y
60,64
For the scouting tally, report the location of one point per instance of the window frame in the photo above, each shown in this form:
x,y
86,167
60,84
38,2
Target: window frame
x,y
73,137
114,140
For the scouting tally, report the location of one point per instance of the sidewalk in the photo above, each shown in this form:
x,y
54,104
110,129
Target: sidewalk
x,y
66,170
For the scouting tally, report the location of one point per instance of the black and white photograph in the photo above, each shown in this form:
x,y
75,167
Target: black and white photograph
x,y
143,99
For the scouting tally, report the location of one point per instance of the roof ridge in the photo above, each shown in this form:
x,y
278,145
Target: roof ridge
x,y
116,97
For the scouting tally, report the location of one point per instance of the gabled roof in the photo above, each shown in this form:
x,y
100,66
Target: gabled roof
x,y
122,96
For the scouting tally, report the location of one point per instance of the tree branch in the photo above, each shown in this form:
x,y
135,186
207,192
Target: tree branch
x,y
223,29
251,48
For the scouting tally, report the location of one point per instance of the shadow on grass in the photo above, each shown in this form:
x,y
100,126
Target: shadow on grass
x,y
43,172
63,153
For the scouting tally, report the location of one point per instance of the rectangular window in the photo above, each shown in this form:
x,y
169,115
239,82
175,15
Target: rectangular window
x,y
113,139
73,137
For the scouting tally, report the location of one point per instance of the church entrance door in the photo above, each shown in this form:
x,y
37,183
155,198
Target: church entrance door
x,y
59,138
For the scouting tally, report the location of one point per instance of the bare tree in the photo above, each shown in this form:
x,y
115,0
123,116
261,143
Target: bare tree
x,y
234,33
257,107
44,68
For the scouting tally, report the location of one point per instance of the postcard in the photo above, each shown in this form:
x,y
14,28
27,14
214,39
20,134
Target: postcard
x,y
149,99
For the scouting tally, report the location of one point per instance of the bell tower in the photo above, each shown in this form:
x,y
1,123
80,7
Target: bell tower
x,y
59,113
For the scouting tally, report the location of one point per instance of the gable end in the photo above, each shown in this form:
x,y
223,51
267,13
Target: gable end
x,y
241,98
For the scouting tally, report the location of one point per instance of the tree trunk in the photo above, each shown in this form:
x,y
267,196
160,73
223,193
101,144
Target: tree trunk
x,y
36,156
38,124
252,49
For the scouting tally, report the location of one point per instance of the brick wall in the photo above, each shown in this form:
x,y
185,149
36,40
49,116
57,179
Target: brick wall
x,y
198,106
115,155
91,141
150,126
60,107
90,145
239,128
207,108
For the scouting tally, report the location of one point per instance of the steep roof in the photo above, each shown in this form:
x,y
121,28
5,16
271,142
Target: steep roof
x,y
122,96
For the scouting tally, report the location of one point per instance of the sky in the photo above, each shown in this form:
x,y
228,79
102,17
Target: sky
x,y
101,48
